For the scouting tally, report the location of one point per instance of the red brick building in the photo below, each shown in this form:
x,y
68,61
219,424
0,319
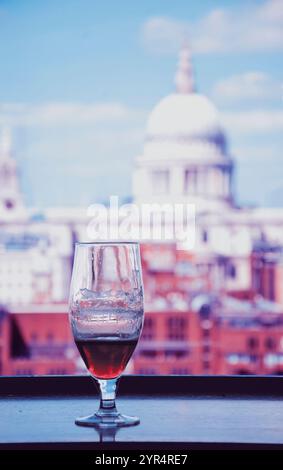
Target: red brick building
x,y
189,328
37,340
212,337
212,340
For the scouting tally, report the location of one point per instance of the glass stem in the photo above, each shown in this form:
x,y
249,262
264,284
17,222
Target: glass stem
x,y
108,396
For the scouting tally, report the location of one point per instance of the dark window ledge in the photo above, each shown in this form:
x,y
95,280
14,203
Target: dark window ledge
x,y
177,412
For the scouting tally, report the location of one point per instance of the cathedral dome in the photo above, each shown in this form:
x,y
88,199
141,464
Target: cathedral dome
x,y
185,156
185,123
184,116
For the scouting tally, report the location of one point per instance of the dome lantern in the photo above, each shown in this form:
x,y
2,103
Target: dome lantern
x,y
184,80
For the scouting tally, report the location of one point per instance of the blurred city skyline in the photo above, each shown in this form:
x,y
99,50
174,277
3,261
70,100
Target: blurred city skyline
x,y
79,80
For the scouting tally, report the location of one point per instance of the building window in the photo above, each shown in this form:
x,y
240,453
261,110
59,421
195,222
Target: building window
x,y
148,329
253,358
160,181
231,270
206,366
176,354
180,371
58,371
190,181
146,371
177,328
205,311
252,342
206,349
206,333
149,353
270,344
9,204
50,336
204,236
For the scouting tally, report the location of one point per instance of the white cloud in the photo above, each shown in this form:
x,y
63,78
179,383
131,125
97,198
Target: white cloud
x,y
253,27
253,121
164,35
272,11
252,86
60,113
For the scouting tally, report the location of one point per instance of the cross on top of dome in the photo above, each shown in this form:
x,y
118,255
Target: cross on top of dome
x,y
184,79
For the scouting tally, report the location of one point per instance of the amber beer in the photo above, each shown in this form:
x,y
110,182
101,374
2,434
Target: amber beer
x,y
106,358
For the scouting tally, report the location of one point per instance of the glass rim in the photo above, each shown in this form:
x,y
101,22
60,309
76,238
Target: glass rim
x,y
106,243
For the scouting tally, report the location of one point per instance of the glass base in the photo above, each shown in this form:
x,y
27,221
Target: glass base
x,y
107,419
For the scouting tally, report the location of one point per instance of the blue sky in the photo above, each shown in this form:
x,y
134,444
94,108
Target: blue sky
x,y
79,77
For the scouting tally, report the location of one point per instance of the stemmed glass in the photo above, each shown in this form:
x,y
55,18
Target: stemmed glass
x,y
106,316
